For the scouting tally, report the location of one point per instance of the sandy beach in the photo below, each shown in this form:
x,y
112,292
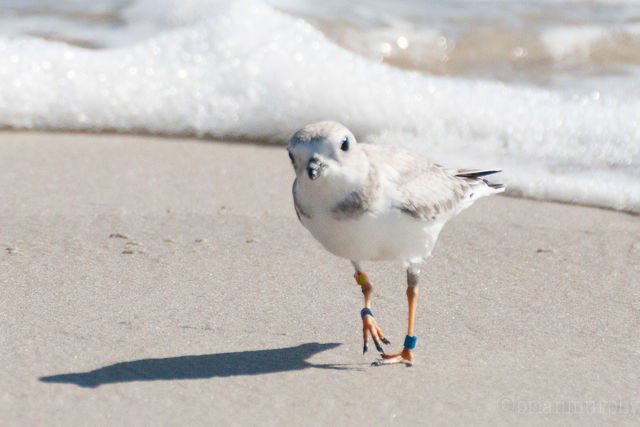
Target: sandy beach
x,y
160,281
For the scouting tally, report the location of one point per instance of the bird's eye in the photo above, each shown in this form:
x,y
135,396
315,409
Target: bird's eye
x,y
291,157
345,144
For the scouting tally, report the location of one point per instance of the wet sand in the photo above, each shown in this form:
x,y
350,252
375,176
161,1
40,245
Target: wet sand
x,y
162,281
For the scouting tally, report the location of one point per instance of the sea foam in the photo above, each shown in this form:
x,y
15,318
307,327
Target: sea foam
x,y
246,70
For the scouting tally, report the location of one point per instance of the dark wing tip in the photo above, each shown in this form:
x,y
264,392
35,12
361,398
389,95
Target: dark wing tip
x,y
477,174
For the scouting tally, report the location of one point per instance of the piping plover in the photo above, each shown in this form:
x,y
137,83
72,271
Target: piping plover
x,y
366,202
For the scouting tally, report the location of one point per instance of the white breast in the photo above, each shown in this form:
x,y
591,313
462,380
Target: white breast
x,y
370,237
382,233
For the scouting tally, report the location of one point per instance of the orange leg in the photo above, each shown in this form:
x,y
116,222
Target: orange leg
x,y
369,325
406,356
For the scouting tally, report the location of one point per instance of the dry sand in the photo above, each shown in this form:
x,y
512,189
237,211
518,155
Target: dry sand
x,y
157,281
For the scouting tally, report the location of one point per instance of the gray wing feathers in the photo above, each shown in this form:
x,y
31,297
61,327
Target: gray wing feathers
x,y
427,190
432,192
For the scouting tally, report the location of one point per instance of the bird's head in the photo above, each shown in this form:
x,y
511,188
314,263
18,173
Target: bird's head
x,y
324,150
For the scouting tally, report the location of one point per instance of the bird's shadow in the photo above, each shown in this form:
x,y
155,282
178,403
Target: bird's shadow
x,y
201,366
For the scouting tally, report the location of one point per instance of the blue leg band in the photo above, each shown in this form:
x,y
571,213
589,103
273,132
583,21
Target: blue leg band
x,y
365,311
410,342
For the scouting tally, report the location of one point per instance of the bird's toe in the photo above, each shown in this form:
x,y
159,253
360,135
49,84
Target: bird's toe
x,y
404,357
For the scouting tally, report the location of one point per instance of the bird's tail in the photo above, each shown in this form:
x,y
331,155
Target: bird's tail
x,y
475,178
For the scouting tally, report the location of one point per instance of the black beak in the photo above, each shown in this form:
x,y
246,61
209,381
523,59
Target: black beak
x,y
315,168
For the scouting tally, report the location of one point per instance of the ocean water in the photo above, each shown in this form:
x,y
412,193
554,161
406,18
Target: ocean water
x,y
546,90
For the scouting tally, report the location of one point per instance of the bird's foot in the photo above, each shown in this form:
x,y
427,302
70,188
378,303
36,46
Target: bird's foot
x,y
405,357
370,327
